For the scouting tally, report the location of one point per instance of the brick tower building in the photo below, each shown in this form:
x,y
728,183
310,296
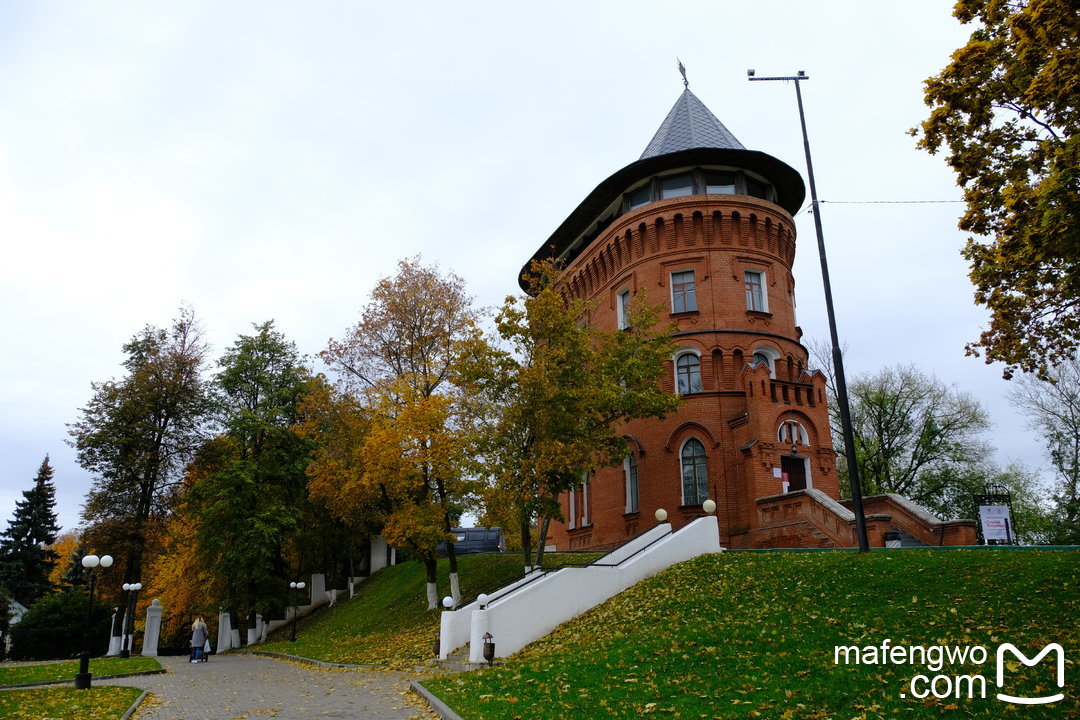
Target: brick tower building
x,y
704,225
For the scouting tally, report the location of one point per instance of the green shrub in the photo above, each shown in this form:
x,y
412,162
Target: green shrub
x,y
53,628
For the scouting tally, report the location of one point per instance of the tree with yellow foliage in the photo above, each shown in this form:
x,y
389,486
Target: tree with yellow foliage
x,y
399,364
558,393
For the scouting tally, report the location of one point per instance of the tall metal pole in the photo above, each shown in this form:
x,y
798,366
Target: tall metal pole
x,y
82,679
837,355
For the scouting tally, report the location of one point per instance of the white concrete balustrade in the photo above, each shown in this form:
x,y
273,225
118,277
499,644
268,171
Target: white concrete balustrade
x,y
534,607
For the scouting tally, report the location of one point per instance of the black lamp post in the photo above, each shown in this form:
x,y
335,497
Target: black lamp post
x,y
129,621
296,587
90,562
837,356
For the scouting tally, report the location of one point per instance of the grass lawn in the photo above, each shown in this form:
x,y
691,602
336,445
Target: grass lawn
x,y
748,635
99,667
63,703
388,623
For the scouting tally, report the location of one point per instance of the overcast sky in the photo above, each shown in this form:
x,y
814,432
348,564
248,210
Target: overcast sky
x,y
272,160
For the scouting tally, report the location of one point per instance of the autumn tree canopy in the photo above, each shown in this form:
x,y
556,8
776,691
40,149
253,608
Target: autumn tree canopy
x,y
918,437
247,486
1005,112
137,433
559,392
400,364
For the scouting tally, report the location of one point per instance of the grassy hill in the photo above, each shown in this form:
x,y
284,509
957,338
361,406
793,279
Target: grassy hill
x,y
387,623
753,635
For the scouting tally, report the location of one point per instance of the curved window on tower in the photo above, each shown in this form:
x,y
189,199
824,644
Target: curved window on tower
x,y
720,183
641,196
622,309
683,292
757,189
757,300
688,373
695,473
676,186
768,356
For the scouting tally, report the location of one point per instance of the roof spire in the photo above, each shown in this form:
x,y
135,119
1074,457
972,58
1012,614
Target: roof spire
x,y
690,125
682,71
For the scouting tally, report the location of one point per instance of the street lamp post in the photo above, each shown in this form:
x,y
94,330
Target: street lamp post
x,y
129,621
297,587
90,562
837,356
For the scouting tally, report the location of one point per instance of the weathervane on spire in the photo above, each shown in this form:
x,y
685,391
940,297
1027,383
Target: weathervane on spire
x,y
682,71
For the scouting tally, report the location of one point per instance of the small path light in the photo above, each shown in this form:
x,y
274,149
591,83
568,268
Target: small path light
x,y
661,515
482,599
709,507
448,602
296,588
129,620
489,648
90,562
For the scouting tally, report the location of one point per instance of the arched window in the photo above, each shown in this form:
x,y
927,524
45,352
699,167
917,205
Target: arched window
x,y
695,473
579,504
631,471
688,374
768,356
792,432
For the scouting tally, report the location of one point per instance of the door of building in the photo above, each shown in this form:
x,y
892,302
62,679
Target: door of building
x,y
795,469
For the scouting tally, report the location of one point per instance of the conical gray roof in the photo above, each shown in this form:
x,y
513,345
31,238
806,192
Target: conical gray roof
x,y
690,125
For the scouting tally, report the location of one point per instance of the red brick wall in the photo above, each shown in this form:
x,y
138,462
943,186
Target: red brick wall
x,y
738,412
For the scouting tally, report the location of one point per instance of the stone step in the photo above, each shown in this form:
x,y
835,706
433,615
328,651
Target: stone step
x,y
458,661
908,540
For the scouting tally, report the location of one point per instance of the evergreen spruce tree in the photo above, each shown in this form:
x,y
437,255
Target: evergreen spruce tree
x,y
25,558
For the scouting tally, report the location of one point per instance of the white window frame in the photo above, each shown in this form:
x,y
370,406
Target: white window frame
x,y
681,353
622,308
763,284
671,283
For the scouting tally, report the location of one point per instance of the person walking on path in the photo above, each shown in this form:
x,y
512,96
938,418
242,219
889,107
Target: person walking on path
x,y
198,639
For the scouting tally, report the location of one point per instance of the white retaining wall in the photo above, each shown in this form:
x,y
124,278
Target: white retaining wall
x,y
527,614
455,626
314,596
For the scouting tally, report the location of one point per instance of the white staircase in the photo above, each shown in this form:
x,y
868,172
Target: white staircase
x,y
535,605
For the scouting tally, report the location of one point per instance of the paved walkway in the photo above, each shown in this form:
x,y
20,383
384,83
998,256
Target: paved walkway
x,y
238,687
